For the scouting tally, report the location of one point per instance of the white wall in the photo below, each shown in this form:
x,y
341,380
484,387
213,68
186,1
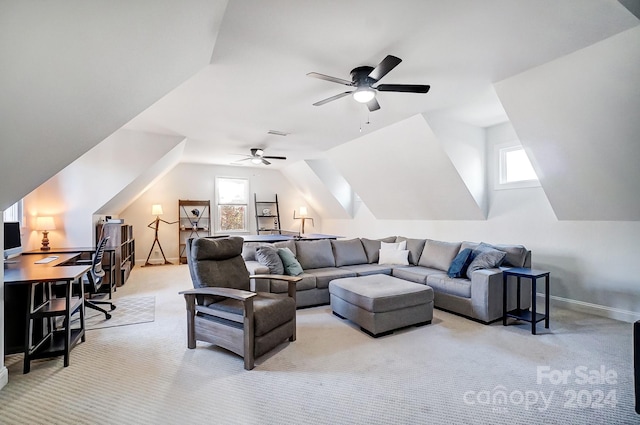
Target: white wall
x,y
591,262
196,182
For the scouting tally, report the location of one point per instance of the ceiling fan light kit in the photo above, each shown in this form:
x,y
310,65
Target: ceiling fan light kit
x,y
258,157
363,94
363,78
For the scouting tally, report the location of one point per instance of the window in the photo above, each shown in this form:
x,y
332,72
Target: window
x,y
515,169
13,213
232,198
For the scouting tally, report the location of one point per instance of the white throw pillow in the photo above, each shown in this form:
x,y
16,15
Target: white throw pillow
x,y
397,246
394,256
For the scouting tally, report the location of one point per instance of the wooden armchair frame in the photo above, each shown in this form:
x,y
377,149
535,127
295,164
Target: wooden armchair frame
x,y
239,340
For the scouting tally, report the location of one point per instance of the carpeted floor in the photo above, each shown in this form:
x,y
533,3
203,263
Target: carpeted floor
x,y
453,371
129,311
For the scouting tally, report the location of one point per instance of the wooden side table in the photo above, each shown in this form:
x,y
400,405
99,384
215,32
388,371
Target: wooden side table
x,y
519,313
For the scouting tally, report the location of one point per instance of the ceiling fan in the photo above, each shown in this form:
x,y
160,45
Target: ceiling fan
x,y
364,77
258,157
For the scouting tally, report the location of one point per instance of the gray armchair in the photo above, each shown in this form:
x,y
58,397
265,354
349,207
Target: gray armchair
x,y
222,309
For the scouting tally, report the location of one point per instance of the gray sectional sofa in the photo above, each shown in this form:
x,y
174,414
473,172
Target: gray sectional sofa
x,y
478,298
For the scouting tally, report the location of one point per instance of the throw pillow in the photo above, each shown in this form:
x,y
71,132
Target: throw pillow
x,y
394,256
291,265
268,256
486,258
397,246
460,264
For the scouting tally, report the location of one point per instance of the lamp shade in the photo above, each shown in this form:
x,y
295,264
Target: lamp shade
x,y
303,211
156,209
363,94
45,223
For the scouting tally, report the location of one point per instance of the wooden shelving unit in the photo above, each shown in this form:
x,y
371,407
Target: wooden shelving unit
x,y
122,241
192,224
267,216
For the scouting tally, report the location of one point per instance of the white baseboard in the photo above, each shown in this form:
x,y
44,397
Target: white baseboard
x,y
596,309
4,376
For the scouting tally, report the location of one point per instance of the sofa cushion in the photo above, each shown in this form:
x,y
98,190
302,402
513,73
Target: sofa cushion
x,y
327,274
393,256
371,247
415,247
485,257
315,254
249,250
291,265
398,246
287,244
415,274
268,256
516,254
444,284
348,252
367,269
460,264
438,254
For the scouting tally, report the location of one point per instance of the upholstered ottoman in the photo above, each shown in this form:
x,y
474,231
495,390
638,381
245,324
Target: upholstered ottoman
x,y
380,303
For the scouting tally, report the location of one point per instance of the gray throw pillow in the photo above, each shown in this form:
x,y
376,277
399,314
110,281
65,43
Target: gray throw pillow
x,y
438,254
291,265
485,258
268,256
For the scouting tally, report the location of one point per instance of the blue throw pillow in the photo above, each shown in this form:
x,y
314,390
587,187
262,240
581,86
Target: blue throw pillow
x,y
291,265
458,267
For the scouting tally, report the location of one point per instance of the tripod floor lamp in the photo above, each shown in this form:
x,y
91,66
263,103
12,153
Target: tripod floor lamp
x,y
157,211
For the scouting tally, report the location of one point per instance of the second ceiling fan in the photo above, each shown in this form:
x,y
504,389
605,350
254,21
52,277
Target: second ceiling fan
x,y
364,77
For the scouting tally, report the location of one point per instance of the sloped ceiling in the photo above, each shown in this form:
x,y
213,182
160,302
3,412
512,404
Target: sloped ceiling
x,y
73,72
578,119
403,172
314,190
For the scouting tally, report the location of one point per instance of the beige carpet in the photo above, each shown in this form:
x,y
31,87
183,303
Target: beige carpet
x,y
453,371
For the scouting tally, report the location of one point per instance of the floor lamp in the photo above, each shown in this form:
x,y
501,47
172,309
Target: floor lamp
x,y
303,217
157,211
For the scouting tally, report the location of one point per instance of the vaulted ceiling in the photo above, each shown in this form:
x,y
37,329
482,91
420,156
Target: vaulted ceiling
x,y
222,74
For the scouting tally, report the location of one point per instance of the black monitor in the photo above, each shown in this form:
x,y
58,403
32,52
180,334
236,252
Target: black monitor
x,y
12,240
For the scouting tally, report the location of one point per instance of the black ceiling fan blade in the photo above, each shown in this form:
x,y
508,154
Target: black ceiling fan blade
x,y
265,162
275,157
373,105
384,67
406,88
332,98
329,78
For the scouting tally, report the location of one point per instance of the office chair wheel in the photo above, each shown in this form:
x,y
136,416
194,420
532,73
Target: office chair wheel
x,y
113,307
108,316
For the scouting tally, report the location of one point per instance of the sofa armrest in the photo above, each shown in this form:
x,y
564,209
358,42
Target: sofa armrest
x,y
255,268
486,294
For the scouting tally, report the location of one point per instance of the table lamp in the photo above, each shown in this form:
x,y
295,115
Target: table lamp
x,y
45,224
303,217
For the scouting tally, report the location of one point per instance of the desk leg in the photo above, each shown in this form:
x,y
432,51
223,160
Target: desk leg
x,y
504,299
27,334
533,306
546,301
518,295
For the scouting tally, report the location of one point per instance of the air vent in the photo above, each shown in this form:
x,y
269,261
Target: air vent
x,y
277,133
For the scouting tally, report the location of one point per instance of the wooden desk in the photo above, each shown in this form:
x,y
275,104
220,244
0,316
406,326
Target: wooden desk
x,y
109,267
30,309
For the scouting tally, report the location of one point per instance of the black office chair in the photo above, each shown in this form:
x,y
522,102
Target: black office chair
x,y
95,278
